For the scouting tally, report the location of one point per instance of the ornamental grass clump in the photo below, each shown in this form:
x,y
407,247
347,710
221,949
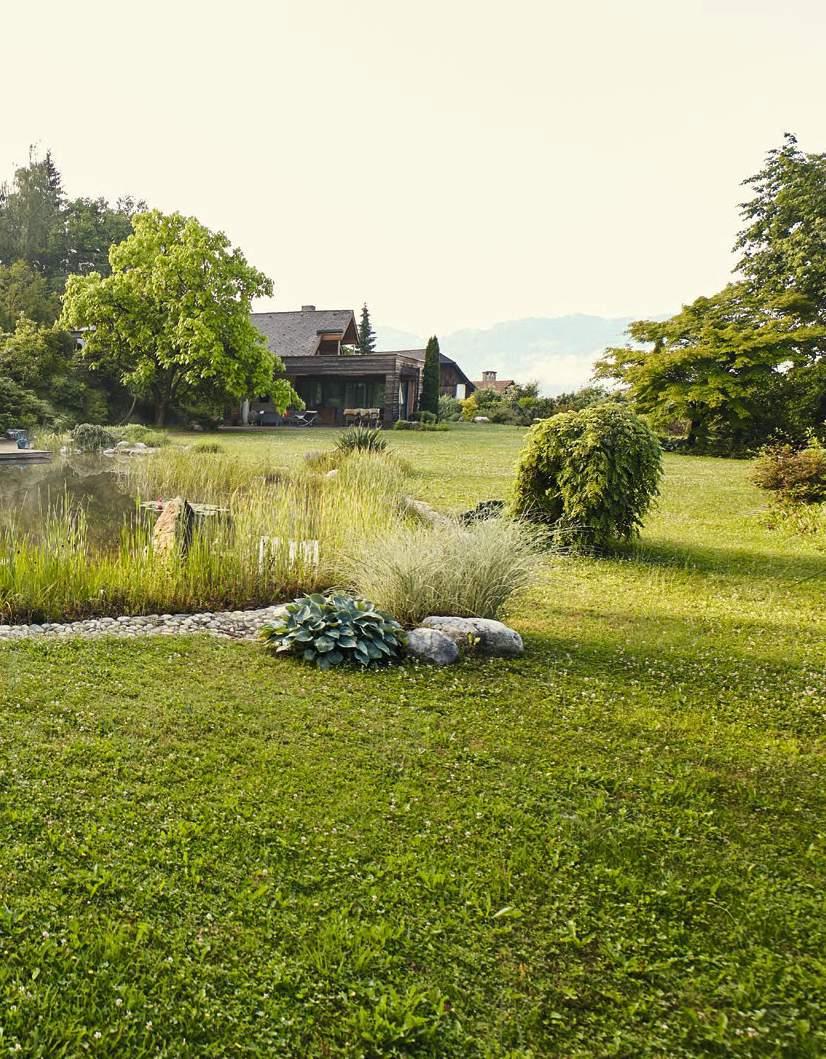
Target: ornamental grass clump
x,y
592,475
335,629
468,571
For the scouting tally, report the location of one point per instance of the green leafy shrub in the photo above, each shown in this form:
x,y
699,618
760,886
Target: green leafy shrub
x,y
91,437
361,439
797,475
592,474
207,447
450,409
464,570
137,433
335,628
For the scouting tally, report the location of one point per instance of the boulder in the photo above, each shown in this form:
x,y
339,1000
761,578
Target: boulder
x,y
424,512
484,635
484,509
430,645
173,530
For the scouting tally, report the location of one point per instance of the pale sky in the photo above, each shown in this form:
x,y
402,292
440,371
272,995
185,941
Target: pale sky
x,y
454,162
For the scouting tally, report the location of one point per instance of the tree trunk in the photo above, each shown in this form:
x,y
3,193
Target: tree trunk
x,y
160,412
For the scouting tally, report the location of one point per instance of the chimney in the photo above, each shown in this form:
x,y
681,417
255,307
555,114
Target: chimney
x,y
308,308
489,378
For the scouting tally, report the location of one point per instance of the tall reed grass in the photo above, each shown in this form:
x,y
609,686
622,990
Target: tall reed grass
x,y
59,574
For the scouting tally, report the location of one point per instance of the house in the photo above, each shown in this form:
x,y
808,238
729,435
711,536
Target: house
x,y
490,382
319,348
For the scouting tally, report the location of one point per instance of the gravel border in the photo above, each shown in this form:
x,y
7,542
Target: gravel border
x,y
229,624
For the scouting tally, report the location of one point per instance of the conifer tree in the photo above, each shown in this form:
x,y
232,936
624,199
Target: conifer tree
x,y
367,336
431,377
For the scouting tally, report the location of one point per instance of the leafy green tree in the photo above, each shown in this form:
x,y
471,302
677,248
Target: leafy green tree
x,y
25,292
748,361
31,227
54,235
44,360
91,227
431,377
20,407
367,336
173,317
720,366
783,242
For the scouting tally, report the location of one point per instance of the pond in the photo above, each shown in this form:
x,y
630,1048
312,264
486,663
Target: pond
x,y
96,483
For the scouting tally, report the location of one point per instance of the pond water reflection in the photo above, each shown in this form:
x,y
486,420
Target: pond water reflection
x,y
95,483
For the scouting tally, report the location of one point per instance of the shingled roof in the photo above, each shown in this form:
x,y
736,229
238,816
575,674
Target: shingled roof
x,y
297,334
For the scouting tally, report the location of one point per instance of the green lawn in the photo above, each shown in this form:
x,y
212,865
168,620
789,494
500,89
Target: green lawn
x,y
614,846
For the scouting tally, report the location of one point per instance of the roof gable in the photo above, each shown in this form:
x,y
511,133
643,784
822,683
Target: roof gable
x,y
297,334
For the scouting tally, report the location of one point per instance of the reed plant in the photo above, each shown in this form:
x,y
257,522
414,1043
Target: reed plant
x,y
249,553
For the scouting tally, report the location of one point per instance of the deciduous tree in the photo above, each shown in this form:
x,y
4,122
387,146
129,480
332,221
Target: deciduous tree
x,y
174,316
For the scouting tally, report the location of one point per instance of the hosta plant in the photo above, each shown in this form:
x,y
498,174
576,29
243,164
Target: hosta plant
x,y
335,628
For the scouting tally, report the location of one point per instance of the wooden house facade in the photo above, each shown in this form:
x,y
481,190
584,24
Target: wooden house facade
x,y
319,349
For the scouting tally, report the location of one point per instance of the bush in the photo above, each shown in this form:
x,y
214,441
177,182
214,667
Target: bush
x,y
207,447
470,408
592,474
333,629
469,571
795,475
361,439
20,407
91,437
450,410
137,433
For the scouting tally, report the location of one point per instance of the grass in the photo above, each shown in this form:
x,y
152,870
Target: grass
x,y
57,573
613,846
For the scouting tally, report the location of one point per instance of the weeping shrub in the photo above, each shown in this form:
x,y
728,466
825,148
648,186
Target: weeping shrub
x,y
468,571
91,437
591,474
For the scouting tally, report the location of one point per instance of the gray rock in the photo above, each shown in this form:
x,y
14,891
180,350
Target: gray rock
x,y
430,645
425,513
484,635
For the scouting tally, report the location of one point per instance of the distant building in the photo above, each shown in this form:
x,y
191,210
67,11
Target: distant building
x,y
490,382
319,348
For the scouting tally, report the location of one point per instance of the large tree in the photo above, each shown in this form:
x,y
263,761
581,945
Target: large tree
x,y
174,316
54,235
721,366
25,292
431,377
367,336
749,360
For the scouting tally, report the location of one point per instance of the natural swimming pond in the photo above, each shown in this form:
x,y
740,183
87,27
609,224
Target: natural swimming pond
x,y
28,493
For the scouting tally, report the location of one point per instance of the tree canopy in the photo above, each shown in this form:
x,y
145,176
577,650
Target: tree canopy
x,y
750,360
173,317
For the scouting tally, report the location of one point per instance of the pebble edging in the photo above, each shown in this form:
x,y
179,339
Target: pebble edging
x,y
230,624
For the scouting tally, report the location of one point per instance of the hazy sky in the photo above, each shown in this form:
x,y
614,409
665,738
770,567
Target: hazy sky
x,y
454,162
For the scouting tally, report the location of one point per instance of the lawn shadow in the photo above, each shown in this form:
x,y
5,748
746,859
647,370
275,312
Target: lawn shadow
x,y
737,562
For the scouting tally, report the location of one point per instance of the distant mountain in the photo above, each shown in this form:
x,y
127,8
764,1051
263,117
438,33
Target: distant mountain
x,y
558,352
